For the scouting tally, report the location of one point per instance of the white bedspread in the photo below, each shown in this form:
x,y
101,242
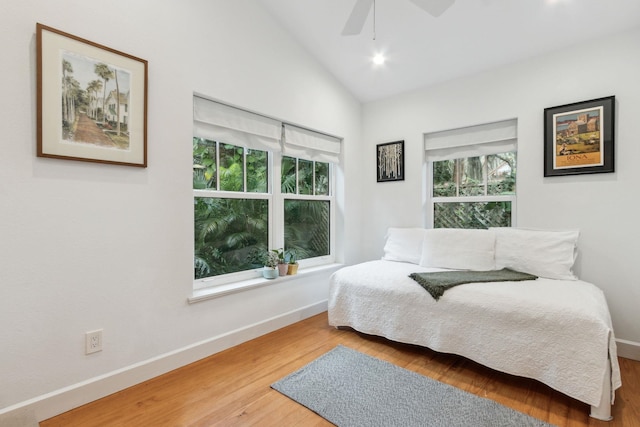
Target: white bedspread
x,y
558,332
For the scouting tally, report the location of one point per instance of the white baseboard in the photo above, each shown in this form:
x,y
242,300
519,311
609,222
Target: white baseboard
x,y
628,349
59,401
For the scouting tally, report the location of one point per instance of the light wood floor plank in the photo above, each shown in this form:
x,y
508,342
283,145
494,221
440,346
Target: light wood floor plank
x,y
232,388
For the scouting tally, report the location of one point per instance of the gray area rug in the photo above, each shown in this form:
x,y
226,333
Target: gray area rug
x,y
350,389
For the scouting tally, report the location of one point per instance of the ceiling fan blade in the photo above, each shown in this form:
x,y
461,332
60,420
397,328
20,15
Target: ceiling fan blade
x,y
434,7
358,16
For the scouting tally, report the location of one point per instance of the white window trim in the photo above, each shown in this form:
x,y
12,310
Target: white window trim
x,y
242,280
204,294
240,276
279,202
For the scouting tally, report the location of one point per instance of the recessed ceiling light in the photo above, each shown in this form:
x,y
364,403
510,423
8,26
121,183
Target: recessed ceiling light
x,y
378,59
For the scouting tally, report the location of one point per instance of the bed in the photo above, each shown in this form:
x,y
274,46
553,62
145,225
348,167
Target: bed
x,y
555,329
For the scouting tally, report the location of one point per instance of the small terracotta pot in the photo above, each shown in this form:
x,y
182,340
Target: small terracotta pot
x,y
283,269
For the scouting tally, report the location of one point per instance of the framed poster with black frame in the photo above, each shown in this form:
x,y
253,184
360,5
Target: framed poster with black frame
x,y
390,161
579,138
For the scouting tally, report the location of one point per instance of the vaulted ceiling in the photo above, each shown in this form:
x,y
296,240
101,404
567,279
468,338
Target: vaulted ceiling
x,y
421,50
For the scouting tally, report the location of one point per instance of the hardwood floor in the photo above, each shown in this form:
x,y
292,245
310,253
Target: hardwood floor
x,y
231,388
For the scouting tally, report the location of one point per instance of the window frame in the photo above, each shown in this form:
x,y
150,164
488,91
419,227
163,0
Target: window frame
x,y
276,199
432,200
239,276
282,197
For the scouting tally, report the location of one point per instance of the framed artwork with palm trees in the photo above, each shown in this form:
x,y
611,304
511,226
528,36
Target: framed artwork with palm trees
x,y
92,101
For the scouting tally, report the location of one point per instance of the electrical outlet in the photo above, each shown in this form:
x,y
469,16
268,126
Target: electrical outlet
x,y
93,341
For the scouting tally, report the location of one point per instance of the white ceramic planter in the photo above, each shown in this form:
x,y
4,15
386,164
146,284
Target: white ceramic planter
x,y
269,272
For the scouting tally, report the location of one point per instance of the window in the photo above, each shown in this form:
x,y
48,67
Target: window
x,y
307,207
474,192
231,208
473,176
240,211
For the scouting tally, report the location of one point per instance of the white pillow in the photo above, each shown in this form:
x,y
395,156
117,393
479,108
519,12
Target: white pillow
x,y
549,254
403,244
457,248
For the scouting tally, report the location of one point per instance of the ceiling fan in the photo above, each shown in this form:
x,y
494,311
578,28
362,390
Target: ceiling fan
x,y
362,7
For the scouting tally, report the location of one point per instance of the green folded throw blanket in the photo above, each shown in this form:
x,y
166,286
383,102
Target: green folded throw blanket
x,y
437,282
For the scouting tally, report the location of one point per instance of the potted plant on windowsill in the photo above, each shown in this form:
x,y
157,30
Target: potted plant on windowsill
x,y
270,269
293,262
282,263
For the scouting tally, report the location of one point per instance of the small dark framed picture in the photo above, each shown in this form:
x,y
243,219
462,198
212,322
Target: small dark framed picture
x,y
579,137
390,161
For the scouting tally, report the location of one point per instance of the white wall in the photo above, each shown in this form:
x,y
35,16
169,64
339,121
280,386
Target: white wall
x,y
603,206
86,246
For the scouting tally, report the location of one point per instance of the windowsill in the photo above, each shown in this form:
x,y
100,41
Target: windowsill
x,y
232,288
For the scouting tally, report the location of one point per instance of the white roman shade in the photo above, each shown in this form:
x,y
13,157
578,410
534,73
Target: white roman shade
x,y
471,141
306,144
219,122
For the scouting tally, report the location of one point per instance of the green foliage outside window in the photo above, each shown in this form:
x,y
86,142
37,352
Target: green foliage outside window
x,y
501,178
288,182
482,176
257,171
306,229
228,235
232,234
312,177
322,178
305,177
472,215
229,232
231,168
204,164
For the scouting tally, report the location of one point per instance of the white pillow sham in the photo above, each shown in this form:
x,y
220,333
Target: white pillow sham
x,y
549,254
403,244
457,248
